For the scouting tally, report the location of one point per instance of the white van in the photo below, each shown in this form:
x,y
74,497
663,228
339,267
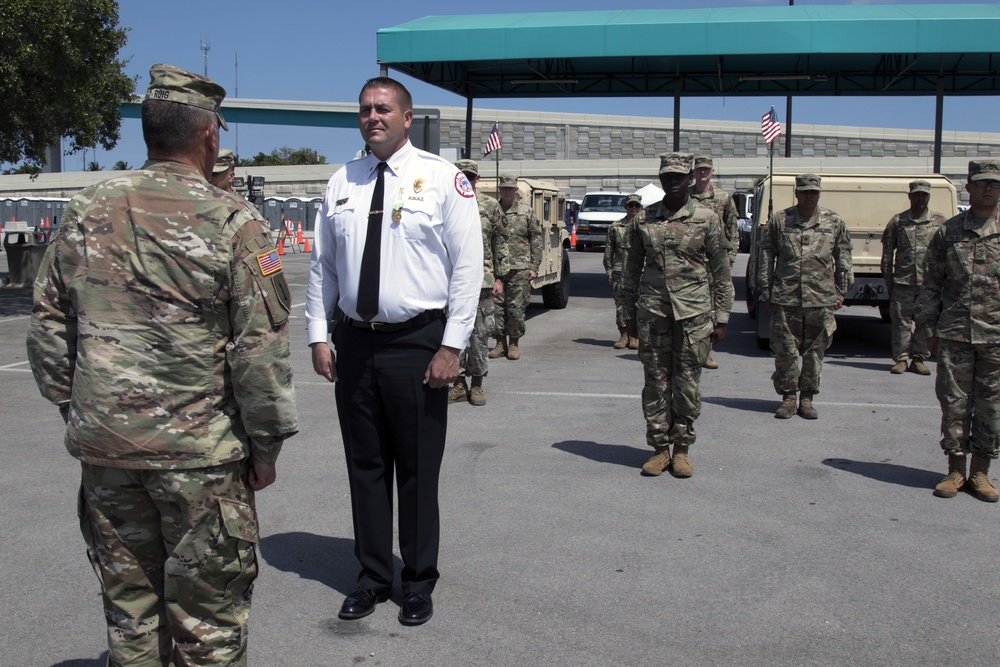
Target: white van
x,y
597,211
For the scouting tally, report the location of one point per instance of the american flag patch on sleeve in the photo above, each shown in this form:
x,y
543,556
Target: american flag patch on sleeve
x,y
269,262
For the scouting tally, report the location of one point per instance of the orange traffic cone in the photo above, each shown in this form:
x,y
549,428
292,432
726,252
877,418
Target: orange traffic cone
x,y
307,248
298,234
572,237
281,247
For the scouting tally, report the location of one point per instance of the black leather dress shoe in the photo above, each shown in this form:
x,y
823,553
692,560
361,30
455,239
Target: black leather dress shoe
x,y
360,603
417,608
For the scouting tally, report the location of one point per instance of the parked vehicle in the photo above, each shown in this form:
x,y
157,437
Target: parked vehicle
x,y
597,211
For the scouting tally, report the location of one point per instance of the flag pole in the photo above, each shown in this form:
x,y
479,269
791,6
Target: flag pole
x,y
497,158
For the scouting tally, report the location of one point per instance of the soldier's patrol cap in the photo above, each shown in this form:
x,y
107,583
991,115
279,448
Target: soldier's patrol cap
x,y
920,186
702,161
508,181
468,166
224,162
808,182
173,84
984,170
633,199
676,163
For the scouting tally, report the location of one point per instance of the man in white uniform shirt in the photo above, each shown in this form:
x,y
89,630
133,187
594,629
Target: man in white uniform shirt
x,y
397,332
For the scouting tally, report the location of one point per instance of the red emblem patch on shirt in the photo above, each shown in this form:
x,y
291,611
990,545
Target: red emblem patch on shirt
x,y
463,187
269,262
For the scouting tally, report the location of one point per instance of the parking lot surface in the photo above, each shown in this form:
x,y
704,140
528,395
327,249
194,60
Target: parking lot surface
x,y
795,543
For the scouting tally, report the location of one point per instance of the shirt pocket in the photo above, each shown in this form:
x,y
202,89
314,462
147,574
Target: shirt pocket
x,y
344,220
416,220
790,245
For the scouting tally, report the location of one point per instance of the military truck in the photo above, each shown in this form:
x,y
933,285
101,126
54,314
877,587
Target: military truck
x,y
549,205
866,202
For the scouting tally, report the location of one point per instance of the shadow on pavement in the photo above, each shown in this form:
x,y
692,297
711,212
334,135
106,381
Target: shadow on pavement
x,y
622,455
15,301
748,404
84,662
891,473
870,365
328,560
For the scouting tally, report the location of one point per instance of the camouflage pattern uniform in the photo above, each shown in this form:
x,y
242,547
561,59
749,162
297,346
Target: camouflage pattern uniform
x,y
614,260
904,244
959,303
670,262
807,266
159,329
721,203
474,359
524,251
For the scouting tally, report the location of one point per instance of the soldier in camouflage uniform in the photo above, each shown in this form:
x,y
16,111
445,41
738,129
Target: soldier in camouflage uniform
x,y
473,360
524,252
804,276
159,329
224,170
678,296
904,244
719,201
614,259
959,310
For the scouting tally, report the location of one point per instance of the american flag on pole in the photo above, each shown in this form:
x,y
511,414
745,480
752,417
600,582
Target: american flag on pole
x,y
769,126
493,143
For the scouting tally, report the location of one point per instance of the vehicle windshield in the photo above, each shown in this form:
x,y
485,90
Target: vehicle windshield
x,y
610,203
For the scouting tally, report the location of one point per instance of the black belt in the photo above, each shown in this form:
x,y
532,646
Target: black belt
x,y
391,327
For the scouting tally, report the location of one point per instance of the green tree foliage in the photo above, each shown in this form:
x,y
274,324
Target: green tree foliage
x,y
284,156
22,169
60,76
94,165
121,165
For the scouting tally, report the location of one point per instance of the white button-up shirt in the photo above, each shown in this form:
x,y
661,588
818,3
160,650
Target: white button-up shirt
x,y
431,257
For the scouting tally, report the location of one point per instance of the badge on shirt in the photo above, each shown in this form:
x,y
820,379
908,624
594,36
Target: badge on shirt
x,y
418,185
463,186
269,262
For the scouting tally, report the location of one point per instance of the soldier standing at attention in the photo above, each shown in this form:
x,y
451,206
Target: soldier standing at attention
x,y
805,274
721,203
614,258
473,361
160,330
224,170
959,310
904,244
678,296
524,244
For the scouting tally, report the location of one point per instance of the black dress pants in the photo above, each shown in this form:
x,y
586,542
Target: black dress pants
x,y
392,422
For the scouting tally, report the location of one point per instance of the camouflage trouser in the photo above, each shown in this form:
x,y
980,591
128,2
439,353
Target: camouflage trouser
x,y
475,356
617,290
512,304
174,552
968,388
795,332
672,354
907,345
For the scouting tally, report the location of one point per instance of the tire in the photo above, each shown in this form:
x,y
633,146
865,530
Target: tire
x,y
762,343
555,296
883,311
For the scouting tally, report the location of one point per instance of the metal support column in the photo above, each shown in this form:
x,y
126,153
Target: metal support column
x,y
788,126
938,119
468,129
677,114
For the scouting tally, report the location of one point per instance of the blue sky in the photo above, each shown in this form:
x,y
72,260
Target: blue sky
x,y
321,50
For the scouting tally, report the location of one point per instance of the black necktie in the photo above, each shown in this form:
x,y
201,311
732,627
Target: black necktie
x,y
371,258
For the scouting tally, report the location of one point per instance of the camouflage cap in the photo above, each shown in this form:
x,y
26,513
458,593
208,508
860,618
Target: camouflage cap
x,y
920,186
633,199
468,166
508,181
224,162
808,182
984,170
702,161
676,163
173,84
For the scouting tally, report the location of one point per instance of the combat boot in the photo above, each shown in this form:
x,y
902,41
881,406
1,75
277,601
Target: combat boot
x,y
979,480
658,462
476,394
806,409
710,363
459,391
681,464
622,342
954,480
633,343
512,352
788,406
501,348
919,368
898,368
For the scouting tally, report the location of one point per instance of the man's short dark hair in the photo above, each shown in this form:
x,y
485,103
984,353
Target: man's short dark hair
x,y
402,94
169,128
